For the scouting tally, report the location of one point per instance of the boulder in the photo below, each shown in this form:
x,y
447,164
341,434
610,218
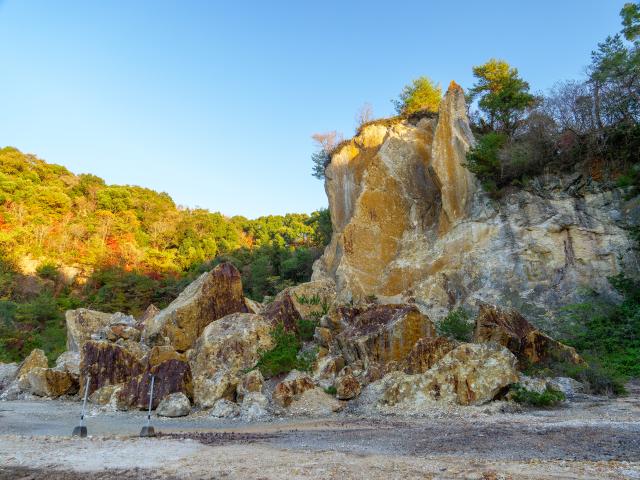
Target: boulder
x,y
224,408
211,296
511,330
326,369
174,405
148,314
471,374
171,376
425,354
314,402
48,382
36,359
294,384
82,324
566,385
226,348
8,372
347,386
251,382
254,407
104,395
252,306
382,333
69,362
162,353
107,364
308,300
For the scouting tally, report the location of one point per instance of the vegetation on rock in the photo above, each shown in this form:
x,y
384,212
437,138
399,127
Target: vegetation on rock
x,y
421,94
549,398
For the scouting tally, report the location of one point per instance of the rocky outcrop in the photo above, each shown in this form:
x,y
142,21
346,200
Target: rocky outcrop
x,y
471,374
82,324
381,333
294,385
107,364
347,386
307,300
213,295
69,362
251,382
226,348
409,223
425,354
511,330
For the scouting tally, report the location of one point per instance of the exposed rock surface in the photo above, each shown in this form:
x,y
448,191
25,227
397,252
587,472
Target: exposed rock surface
x,y
511,330
82,324
302,301
171,376
104,395
224,408
314,402
8,372
251,382
212,296
381,333
69,362
174,405
426,353
254,407
410,222
347,387
107,364
471,374
294,385
226,348
35,359
48,382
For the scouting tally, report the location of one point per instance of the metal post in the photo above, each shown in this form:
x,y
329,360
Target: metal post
x,y
148,430
81,430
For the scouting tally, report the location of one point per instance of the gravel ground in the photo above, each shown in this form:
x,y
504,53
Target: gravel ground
x,y
590,438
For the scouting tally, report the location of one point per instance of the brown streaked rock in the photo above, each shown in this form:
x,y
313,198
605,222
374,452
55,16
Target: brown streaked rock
x,y
82,324
107,364
425,353
48,382
294,385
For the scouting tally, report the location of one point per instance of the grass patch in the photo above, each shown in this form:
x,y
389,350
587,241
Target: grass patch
x,y
286,355
331,390
457,325
549,398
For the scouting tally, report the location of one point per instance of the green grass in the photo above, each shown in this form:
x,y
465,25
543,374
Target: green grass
x,y
457,325
285,355
549,398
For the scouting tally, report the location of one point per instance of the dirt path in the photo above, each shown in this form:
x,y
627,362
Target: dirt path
x,y
592,438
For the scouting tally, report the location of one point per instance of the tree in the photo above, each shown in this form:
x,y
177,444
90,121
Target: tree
x,y
630,14
364,114
421,94
326,143
503,95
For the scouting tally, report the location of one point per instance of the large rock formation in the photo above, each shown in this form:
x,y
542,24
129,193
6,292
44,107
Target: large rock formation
x,y
226,348
307,300
410,224
107,364
82,324
212,296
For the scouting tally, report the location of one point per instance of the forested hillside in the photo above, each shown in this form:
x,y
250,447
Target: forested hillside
x,y
71,240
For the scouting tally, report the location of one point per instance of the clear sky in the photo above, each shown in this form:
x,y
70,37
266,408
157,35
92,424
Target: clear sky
x,y
215,102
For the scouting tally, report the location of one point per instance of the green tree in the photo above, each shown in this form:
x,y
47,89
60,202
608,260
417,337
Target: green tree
x,y
502,95
421,94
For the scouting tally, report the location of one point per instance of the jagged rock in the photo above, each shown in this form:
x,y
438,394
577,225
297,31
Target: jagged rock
x,y
8,372
137,349
306,300
426,353
224,408
409,221
347,387
251,382
162,353
212,296
107,364
471,374
174,405
533,384
382,333
104,395
35,359
48,382
566,385
148,314
314,402
69,362
82,324
323,336
252,306
511,330
125,332
171,376
326,369
254,407
226,348
294,384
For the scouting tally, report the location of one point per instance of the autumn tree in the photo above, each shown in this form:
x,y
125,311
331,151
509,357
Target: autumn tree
x,y
325,143
421,94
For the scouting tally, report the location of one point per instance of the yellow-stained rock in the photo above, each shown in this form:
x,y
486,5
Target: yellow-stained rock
x,y
426,353
47,382
81,324
36,359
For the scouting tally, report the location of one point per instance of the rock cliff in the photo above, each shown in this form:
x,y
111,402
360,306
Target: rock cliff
x,y
411,224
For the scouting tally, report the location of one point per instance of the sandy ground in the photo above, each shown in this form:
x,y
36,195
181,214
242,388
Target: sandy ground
x,y
590,438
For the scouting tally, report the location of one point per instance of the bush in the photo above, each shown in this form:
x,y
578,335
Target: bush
x,y
550,397
331,390
285,355
421,94
457,325
306,329
48,271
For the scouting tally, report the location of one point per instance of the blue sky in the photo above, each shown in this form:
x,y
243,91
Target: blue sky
x,y
215,102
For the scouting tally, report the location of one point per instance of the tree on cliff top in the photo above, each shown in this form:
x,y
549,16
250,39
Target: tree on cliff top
x,y
503,95
421,94
325,142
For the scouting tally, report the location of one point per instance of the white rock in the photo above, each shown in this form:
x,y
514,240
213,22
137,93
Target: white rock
x,y
224,408
174,405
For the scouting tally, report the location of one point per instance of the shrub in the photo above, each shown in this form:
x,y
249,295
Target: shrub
x,y
550,397
306,329
48,271
421,94
457,325
283,357
484,162
331,390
